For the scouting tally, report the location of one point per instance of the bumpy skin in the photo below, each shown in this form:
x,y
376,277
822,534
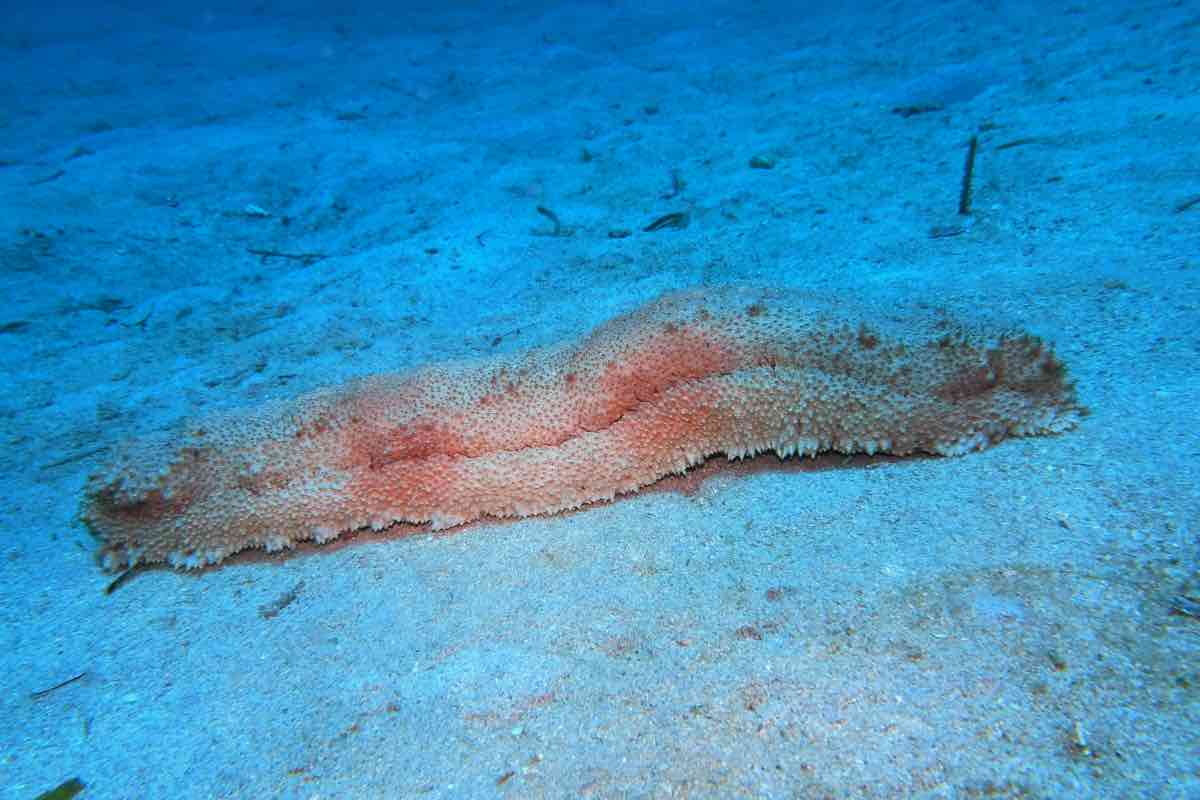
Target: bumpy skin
x,y
716,370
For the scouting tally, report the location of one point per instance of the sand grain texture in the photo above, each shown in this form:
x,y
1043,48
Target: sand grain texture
x,y
729,370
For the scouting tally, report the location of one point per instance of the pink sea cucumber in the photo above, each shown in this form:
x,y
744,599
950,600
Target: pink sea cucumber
x,y
730,370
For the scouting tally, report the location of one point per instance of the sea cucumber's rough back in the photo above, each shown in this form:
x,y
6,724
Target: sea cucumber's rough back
x,y
715,370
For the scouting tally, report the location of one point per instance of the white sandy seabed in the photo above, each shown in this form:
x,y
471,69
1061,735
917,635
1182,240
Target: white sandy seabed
x,y
200,210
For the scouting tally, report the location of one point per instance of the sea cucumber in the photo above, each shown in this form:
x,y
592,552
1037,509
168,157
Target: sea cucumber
x,y
731,370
